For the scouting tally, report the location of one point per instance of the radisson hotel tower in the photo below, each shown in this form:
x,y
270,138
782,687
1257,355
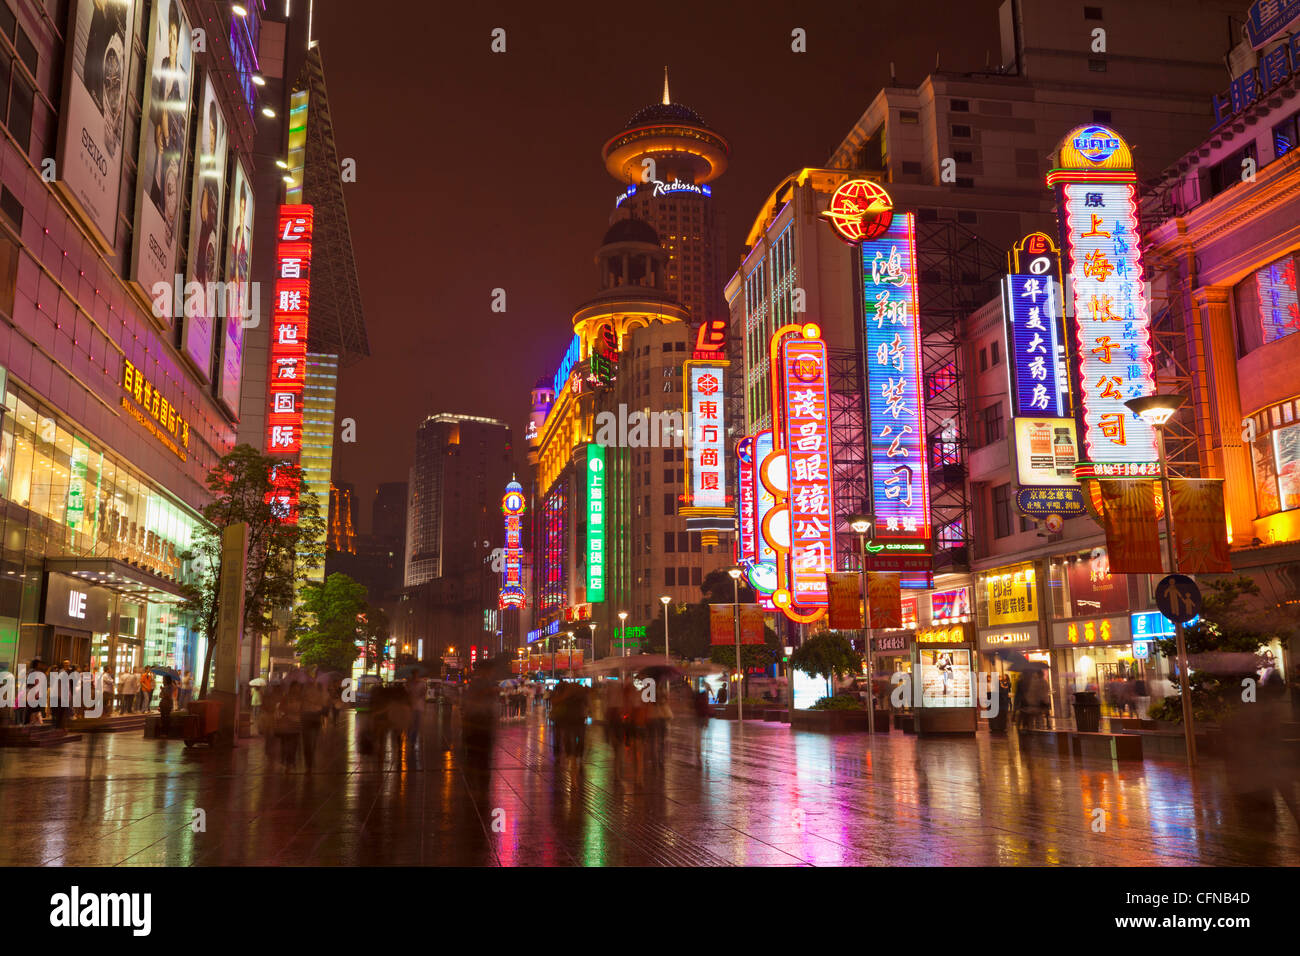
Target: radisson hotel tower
x,y
675,196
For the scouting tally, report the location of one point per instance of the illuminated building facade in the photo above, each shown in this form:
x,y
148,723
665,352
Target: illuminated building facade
x,y
677,201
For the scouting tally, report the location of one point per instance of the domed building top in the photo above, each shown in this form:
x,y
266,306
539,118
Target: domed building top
x,y
631,230
665,113
682,145
514,486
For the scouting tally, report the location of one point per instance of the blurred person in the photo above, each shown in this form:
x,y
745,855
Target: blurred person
x,y
126,692
658,713
107,691
266,724
399,715
61,693
186,691
313,711
146,691
166,700
478,722
418,692
700,712
288,725
1260,762
255,700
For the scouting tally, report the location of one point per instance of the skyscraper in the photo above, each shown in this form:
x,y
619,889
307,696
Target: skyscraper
x,y
665,157
461,464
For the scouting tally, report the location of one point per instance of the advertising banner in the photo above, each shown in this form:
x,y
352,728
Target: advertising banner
x,y
706,473
845,590
946,677
207,205
722,624
1011,595
1093,589
1031,304
164,138
239,262
1201,530
951,605
1132,534
93,113
885,595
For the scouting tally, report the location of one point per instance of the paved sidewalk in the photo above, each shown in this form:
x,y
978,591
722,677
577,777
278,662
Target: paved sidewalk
x,y
765,796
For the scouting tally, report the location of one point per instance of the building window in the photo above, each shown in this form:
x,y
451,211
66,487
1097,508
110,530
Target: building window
x,y
1228,172
963,156
1101,116
695,545
910,117
683,542
984,362
960,131
1002,511
670,577
993,423
668,474
697,575
1285,135
960,106
670,505
1096,65
17,95
995,355
668,542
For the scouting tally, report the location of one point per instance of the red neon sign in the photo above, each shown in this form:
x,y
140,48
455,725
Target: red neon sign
x,y
288,371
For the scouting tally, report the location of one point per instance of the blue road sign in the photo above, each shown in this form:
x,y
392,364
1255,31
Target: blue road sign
x,y
1178,598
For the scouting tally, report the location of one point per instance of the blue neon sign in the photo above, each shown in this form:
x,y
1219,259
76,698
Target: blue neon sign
x,y
1038,384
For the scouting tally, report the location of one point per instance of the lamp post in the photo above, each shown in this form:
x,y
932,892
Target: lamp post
x,y
665,600
622,617
569,643
735,574
861,525
591,626
1156,410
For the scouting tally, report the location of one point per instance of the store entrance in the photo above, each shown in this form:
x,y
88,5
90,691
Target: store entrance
x,y
1120,682
71,646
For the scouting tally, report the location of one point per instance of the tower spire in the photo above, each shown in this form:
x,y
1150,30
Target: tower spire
x,y
667,101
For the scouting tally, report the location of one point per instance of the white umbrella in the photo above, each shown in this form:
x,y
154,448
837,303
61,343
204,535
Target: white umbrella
x,y
257,682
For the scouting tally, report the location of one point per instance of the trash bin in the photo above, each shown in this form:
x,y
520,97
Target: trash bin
x,y
1087,712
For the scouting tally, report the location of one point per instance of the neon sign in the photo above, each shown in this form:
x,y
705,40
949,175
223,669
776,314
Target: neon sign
x,y
288,372
554,577
662,188
566,365
1031,306
1279,309
859,209
595,523
1112,323
706,472
805,422
895,402
746,509
512,506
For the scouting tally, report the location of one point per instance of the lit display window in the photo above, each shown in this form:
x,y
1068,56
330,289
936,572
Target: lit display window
x,y
1275,455
1279,310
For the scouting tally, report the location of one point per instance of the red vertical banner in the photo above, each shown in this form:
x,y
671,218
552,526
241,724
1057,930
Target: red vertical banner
x,y
288,372
751,624
845,591
1132,533
723,619
885,595
1200,526
721,624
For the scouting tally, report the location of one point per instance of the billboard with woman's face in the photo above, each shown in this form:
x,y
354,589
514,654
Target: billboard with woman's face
x,y
93,115
207,203
239,260
164,135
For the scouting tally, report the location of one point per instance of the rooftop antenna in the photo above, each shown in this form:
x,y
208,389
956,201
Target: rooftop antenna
x,y
667,101
893,75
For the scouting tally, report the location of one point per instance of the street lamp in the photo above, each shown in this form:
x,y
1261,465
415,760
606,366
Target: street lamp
x,y
622,616
665,600
591,625
569,641
735,574
861,525
1156,411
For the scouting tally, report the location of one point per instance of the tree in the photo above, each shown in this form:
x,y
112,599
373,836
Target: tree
x,y
330,622
1235,624
827,654
374,633
279,553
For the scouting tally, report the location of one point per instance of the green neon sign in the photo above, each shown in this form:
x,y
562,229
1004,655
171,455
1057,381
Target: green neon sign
x,y
595,523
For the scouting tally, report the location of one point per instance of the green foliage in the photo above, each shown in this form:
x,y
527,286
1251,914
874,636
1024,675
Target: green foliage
x,y
1234,620
329,623
827,654
838,703
279,554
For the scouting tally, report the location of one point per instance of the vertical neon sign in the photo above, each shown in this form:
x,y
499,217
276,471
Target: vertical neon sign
x,y
1097,195
288,372
895,401
512,587
748,506
595,523
807,439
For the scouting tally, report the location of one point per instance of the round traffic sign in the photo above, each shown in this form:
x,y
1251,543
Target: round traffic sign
x,y
1178,598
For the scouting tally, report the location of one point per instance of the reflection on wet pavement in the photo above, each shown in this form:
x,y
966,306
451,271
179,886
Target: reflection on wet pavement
x,y
765,796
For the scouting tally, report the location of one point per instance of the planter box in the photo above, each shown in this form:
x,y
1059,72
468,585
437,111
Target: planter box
x,y
830,721
774,713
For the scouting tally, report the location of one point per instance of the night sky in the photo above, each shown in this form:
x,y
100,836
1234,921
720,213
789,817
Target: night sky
x,y
478,170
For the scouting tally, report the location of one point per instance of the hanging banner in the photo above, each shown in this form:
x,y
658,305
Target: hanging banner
x,y
1010,595
722,623
885,595
207,206
1200,527
845,590
1132,531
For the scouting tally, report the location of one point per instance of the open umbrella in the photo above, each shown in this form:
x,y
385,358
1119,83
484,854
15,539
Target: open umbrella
x,y
257,682
1017,661
162,671
658,672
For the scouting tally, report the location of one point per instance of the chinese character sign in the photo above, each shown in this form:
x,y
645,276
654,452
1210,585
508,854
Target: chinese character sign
x,y
806,436
595,523
1279,308
707,471
895,405
747,507
1031,306
288,371
512,506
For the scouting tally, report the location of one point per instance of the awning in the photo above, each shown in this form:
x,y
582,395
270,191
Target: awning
x,y
119,576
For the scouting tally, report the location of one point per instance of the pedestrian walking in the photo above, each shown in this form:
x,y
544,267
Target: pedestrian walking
x,y
701,714
313,711
166,701
146,691
418,692
255,698
107,691
288,726
187,690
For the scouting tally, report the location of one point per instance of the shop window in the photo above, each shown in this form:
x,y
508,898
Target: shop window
x,y
1002,511
17,94
993,425
1267,305
1275,456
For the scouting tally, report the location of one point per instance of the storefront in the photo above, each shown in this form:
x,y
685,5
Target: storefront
x,y
1097,654
84,532
943,684
1025,640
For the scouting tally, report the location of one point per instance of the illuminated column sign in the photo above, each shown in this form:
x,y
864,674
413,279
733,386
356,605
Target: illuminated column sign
x,y
706,464
289,344
1097,195
747,509
895,403
512,587
595,523
807,439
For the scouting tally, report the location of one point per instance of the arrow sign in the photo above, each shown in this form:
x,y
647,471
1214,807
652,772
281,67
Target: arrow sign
x,y
1178,598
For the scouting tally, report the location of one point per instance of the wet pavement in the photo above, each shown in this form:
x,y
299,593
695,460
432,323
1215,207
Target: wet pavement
x,y
764,796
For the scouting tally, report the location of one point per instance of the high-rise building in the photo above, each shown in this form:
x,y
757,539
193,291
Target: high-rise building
x,y
666,158
341,533
461,463
388,511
